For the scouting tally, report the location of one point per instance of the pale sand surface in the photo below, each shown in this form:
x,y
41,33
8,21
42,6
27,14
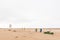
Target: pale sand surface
x,y
28,34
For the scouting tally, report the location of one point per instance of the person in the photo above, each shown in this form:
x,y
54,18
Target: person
x,y
40,29
10,25
36,30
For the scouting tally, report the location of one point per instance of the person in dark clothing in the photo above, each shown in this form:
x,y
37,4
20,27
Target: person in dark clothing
x,y
40,29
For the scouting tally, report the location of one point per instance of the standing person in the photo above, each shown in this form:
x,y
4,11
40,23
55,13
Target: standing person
x,y
10,25
36,30
40,29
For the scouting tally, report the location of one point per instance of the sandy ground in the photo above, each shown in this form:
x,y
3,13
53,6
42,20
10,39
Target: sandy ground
x,y
28,34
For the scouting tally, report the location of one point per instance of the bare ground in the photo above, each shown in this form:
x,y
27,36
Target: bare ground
x,y
28,34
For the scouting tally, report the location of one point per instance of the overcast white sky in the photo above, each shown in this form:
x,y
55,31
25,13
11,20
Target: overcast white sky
x,y
30,13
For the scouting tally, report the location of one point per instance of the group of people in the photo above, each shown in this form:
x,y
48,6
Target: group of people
x,y
40,30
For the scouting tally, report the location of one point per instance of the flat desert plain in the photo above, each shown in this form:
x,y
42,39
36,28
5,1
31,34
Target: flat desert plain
x,y
28,34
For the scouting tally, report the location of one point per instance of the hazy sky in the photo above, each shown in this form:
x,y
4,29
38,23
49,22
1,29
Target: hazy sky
x,y
30,13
